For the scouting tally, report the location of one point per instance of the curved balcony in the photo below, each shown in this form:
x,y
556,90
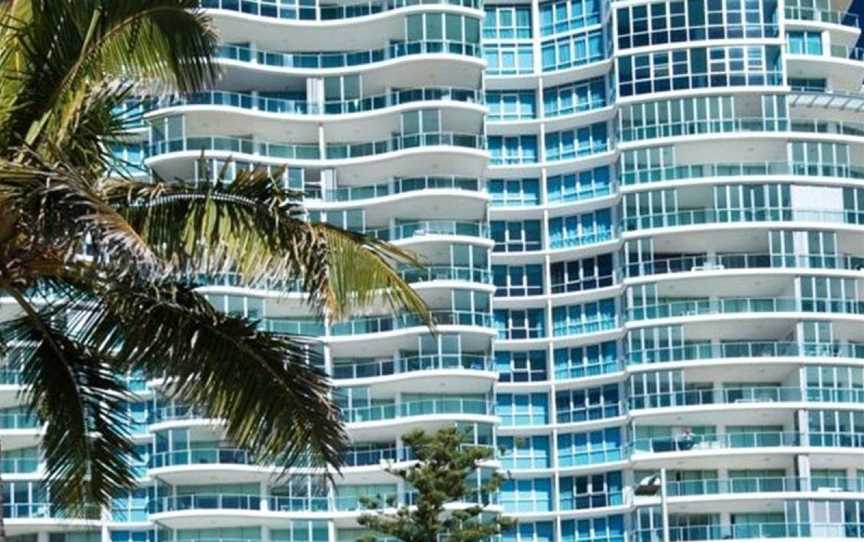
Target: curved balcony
x,y
316,61
252,102
746,395
311,151
429,407
744,260
408,230
753,531
697,217
747,350
740,169
732,486
272,10
399,186
809,13
748,125
739,305
408,364
381,324
695,443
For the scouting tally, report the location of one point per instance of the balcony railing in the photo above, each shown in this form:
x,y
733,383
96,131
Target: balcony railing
x,y
311,151
418,408
47,510
802,13
745,349
408,364
446,272
19,420
600,236
420,228
274,10
10,377
380,324
740,169
686,443
745,394
278,59
341,151
816,531
701,262
254,102
696,217
762,485
847,52
201,456
720,126
400,186
205,501
737,305
291,326
19,465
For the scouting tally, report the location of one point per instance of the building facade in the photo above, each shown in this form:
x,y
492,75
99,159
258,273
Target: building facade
x,y
642,223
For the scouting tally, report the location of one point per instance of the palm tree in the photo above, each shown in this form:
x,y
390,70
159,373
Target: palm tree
x,y
103,271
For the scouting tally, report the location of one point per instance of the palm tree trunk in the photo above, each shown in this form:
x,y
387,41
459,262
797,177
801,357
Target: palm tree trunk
x,y
2,504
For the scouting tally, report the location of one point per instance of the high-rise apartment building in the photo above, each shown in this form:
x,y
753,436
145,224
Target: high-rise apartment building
x,y
644,228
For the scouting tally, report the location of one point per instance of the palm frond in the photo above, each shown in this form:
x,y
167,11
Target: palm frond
x,y
58,210
75,391
255,228
273,400
57,51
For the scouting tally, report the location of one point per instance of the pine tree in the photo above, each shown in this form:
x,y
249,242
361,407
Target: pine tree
x,y
447,506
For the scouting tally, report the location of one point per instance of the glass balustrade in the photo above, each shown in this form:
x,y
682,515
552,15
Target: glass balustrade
x,y
847,52
407,230
254,102
342,59
47,510
701,262
418,408
311,151
600,236
445,272
379,324
745,349
275,10
746,394
752,531
19,420
719,126
739,169
201,456
761,485
401,186
691,442
735,305
812,13
205,501
696,217
409,364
